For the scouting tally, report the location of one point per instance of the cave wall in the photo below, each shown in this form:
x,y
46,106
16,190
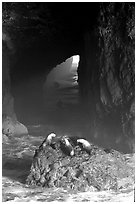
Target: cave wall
x,y
106,78
7,99
10,125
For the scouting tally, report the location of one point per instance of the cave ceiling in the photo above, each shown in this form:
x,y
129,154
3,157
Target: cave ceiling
x,y
72,20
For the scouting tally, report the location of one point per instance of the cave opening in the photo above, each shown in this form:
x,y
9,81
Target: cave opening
x,y
50,98
61,95
54,89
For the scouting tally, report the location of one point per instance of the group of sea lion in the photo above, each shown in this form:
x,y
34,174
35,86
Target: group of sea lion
x,y
68,142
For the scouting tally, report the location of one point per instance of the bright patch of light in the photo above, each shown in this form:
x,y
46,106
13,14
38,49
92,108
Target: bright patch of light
x,y
75,59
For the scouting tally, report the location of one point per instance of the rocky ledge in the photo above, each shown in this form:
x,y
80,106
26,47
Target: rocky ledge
x,y
75,164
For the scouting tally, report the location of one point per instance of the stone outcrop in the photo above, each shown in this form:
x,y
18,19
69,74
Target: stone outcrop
x,y
99,169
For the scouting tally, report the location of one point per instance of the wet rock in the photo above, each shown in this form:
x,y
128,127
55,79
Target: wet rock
x,y
98,170
11,127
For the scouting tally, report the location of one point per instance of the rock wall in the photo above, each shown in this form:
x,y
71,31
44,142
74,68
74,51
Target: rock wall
x,y
106,77
7,99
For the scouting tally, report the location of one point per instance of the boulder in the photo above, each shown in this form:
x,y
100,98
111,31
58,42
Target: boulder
x,y
99,169
12,128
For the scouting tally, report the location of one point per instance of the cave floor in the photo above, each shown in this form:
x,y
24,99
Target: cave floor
x,y
16,162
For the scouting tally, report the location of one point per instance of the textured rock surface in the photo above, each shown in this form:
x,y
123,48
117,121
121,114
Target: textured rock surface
x,y
102,169
107,77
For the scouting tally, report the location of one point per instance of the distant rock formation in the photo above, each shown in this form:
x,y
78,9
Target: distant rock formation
x,y
12,127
